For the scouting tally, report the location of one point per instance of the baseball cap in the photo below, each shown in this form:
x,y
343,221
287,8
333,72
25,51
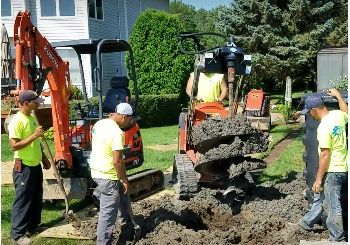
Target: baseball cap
x,y
30,95
124,109
311,102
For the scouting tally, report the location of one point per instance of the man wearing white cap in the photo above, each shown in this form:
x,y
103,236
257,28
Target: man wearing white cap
x,y
108,170
27,172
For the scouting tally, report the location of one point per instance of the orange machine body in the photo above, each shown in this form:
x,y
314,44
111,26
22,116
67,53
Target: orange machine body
x,y
255,99
30,44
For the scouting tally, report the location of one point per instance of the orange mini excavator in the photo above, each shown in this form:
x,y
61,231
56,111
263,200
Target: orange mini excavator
x,y
37,61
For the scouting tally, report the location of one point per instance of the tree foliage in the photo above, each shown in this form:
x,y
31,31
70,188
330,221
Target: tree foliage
x,y
160,67
284,36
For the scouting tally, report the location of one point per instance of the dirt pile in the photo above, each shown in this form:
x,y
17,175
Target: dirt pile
x,y
266,215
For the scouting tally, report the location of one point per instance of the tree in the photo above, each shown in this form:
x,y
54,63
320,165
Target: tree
x,y
160,67
283,36
186,14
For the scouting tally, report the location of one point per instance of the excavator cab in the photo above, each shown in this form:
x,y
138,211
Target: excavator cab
x,y
144,183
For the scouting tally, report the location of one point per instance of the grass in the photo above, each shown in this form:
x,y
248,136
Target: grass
x,y
278,133
289,161
160,135
51,214
7,153
295,95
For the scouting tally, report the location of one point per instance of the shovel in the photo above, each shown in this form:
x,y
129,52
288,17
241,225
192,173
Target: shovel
x,y
137,228
68,214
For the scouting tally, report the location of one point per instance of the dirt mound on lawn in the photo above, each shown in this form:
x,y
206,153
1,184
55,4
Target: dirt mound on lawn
x,y
266,215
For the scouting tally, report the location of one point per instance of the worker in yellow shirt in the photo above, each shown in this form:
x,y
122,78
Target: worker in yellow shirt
x,y
27,173
211,87
332,167
108,170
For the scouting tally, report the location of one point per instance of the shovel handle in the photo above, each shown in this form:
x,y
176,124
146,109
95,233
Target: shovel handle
x,y
52,162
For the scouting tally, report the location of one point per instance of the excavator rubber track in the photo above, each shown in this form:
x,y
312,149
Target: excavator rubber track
x,y
145,183
184,177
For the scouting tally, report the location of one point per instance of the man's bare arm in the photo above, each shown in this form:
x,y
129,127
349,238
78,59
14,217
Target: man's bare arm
x,y
342,104
189,85
17,144
322,166
120,168
224,90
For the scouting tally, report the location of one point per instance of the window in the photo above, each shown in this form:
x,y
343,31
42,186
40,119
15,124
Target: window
x,y
57,7
95,9
48,7
67,8
5,7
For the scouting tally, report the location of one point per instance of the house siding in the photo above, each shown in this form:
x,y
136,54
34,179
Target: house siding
x,y
8,21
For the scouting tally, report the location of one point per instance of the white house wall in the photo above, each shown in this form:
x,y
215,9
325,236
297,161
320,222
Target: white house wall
x,y
8,21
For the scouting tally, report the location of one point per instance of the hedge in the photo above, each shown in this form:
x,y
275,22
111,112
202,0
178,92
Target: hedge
x,y
154,110
160,67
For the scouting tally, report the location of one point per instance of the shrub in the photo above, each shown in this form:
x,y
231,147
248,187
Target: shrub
x,y
160,67
76,93
154,110
287,111
49,134
8,103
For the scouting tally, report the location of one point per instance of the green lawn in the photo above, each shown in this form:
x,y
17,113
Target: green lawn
x,y
160,135
278,133
290,160
7,153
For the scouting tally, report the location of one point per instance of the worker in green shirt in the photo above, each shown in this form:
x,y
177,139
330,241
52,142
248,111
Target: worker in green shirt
x,y
27,174
332,167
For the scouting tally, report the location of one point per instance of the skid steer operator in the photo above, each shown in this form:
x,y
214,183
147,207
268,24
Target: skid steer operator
x,y
108,170
209,87
27,172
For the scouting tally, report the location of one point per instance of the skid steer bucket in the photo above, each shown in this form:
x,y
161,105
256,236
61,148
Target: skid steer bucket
x,y
261,123
75,188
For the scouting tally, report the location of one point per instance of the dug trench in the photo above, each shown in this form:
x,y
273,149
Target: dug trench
x,y
254,213
266,215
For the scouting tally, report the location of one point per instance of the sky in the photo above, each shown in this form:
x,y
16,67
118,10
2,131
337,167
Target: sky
x,y
207,4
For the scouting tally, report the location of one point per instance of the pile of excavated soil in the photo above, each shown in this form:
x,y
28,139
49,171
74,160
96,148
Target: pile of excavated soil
x,y
266,215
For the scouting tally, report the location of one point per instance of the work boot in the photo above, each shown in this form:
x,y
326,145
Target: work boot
x,y
24,240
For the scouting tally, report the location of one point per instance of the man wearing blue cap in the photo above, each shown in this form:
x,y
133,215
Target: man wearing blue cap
x,y
108,170
332,168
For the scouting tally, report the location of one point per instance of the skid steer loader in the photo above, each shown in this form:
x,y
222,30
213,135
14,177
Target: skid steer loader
x,y
213,141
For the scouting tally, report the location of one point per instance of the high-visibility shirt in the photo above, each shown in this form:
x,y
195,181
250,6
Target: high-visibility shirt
x,y
21,127
331,135
106,138
209,86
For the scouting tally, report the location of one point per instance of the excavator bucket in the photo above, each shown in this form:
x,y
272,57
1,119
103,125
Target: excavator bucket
x,y
75,188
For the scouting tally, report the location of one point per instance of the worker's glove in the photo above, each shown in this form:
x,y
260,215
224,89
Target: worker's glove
x,y
46,163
